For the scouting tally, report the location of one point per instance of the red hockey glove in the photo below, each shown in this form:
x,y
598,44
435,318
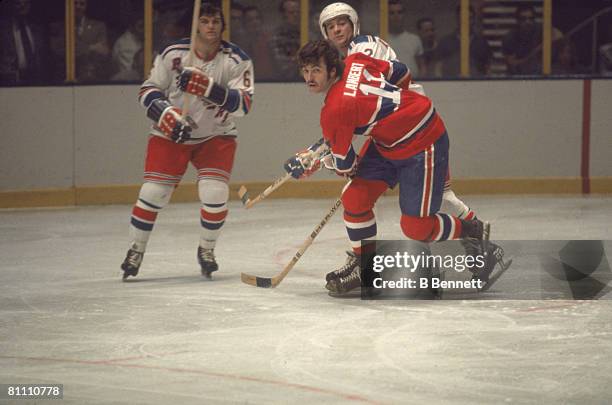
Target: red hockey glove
x,y
194,81
169,121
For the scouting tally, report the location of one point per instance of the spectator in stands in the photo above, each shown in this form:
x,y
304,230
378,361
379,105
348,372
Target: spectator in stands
x,y
314,31
135,72
605,54
23,50
286,41
237,23
427,33
564,59
449,49
522,45
172,26
92,49
256,44
407,45
127,45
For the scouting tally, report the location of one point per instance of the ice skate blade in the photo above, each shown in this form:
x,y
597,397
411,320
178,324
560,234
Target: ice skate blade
x,y
127,274
349,294
207,274
504,266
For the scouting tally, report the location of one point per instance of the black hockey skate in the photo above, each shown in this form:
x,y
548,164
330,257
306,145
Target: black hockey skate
x,y
494,256
131,264
208,264
346,278
344,270
475,229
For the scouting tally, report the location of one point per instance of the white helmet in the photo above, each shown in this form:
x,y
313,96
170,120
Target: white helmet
x,y
336,10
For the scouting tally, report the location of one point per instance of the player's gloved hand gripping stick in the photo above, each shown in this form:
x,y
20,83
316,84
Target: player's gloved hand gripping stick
x,y
169,120
304,163
173,121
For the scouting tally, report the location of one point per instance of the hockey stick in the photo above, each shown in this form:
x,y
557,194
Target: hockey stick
x,y
195,20
271,282
318,154
244,194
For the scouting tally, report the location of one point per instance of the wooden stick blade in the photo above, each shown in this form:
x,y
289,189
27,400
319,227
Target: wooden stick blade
x,y
244,195
263,282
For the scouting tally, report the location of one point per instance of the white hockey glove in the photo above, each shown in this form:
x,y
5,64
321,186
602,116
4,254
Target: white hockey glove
x,y
304,163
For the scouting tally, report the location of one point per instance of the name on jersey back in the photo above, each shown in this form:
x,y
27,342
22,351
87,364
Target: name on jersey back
x,y
352,80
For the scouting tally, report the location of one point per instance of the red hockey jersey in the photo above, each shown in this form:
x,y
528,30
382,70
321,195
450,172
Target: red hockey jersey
x,y
400,122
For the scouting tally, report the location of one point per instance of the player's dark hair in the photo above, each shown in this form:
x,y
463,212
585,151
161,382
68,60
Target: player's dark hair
x,y
312,51
211,9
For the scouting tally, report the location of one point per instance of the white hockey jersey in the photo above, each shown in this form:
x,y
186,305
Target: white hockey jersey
x,y
378,49
230,67
372,46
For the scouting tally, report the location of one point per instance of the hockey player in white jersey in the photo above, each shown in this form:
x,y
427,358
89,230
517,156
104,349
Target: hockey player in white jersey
x,y
218,78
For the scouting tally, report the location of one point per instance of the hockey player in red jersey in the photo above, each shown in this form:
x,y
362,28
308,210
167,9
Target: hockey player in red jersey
x,y
220,76
339,23
407,146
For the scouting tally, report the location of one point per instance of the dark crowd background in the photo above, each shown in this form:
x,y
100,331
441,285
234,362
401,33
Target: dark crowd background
x,y
505,37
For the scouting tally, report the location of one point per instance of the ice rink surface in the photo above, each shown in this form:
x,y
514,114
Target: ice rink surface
x,y
172,337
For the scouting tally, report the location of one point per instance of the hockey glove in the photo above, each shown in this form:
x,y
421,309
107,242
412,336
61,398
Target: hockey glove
x,y
307,161
299,167
169,120
194,81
